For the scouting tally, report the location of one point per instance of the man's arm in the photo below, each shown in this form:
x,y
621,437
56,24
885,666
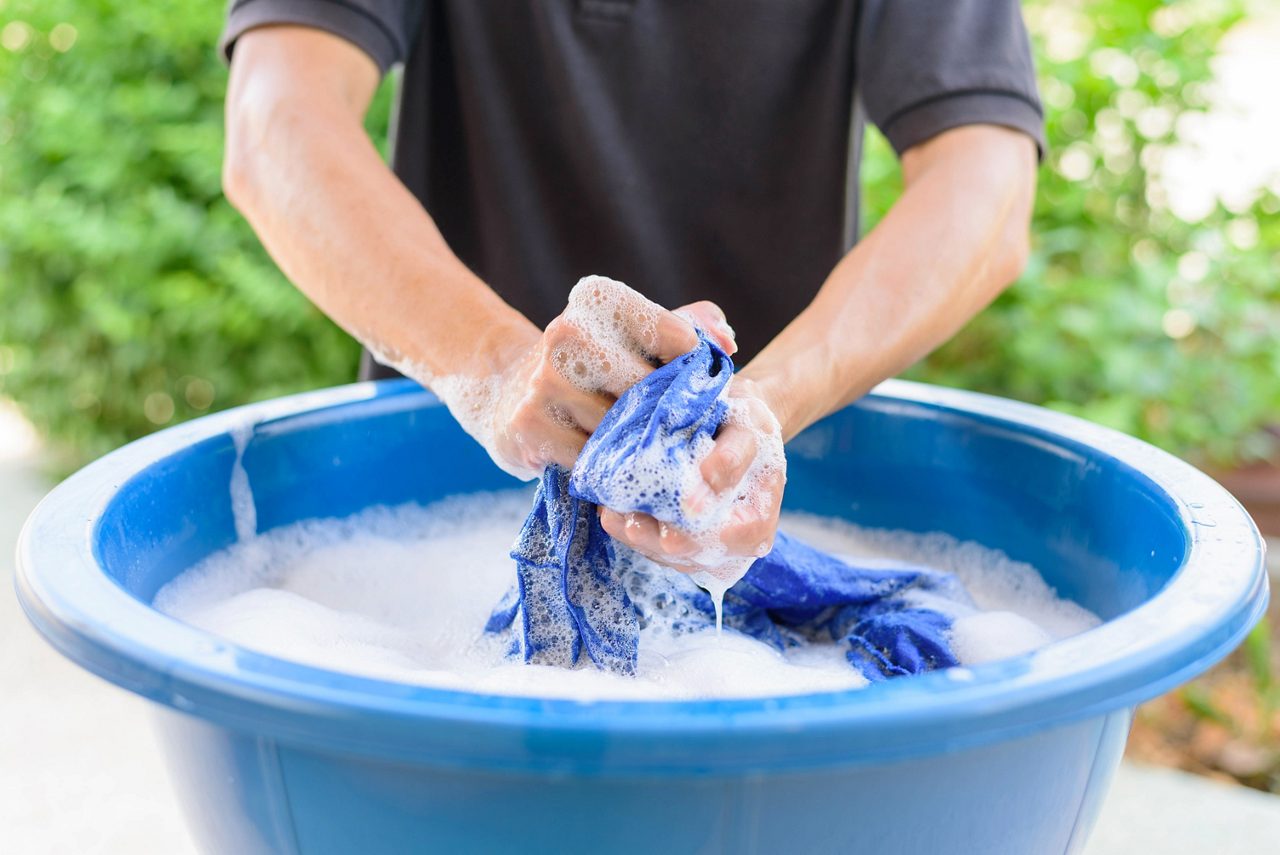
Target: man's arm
x,y
344,229
301,169
957,237
953,241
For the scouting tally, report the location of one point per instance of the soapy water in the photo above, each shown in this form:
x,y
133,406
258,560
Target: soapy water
x,y
403,594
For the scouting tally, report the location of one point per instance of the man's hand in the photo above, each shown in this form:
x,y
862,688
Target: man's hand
x,y
742,482
557,386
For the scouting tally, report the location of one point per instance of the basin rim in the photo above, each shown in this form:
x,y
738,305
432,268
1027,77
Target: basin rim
x,y
1217,595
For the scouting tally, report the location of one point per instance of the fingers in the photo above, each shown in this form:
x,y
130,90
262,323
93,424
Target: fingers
x,y
753,524
563,445
657,541
631,367
730,458
541,431
750,531
672,338
613,364
708,317
619,317
584,410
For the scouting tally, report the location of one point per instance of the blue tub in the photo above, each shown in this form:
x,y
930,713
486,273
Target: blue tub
x,y
1013,756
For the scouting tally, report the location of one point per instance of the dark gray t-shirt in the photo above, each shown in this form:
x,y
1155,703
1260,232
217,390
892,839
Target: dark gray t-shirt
x,y
694,149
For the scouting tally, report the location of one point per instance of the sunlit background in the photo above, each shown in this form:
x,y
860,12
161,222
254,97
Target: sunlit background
x,y
133,297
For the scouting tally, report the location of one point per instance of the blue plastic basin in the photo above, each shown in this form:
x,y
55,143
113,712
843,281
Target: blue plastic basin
x,y
1013,756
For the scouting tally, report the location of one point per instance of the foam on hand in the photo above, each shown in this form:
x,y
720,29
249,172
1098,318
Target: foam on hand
x,y
612,322
646,455
403,594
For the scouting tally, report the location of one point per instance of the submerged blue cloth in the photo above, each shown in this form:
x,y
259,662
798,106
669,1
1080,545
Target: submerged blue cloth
x,y
572,579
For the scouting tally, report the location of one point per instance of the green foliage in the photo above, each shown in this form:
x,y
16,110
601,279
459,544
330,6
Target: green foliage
x,y
1127,315
133,296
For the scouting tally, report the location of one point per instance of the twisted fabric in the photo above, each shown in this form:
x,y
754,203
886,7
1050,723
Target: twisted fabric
x,y
572,579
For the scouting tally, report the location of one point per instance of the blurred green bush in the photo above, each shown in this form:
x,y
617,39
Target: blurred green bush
x,y
1127,315
134,297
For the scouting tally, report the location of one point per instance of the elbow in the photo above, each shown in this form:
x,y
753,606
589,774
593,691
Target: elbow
x,y
1014,252
235,183
253,115
237,160
1014,245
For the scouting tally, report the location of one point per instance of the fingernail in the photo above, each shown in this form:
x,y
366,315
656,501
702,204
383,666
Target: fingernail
x,y
631,521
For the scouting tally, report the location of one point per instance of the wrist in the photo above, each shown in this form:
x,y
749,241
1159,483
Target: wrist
x,y
779,395
501,344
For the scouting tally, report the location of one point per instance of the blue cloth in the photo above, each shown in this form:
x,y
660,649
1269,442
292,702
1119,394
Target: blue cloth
x,y
572,580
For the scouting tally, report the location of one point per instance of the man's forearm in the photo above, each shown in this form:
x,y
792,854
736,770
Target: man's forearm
x,y
950,244
344,229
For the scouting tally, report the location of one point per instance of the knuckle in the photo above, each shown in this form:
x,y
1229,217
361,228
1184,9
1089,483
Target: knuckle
x,y
753,531
560,331
712,309
675,330
549,378
526,418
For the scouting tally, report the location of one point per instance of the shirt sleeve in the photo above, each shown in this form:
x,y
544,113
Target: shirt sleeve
x,y
384,29
926,66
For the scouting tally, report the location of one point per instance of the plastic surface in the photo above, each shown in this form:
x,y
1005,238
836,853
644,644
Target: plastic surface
x,y
1008,757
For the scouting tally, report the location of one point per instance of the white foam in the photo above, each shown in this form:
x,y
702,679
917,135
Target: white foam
x,y
243,510
612,322
403,594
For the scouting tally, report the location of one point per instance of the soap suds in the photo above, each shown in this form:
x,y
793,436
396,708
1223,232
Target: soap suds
x,y
611,322
403,594
243,510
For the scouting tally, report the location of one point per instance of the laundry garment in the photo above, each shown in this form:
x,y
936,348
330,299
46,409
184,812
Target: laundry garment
x,y
572,579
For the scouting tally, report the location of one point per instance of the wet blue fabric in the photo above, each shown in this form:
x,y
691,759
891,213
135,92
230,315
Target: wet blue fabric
x,y
571,596
567,600
664,415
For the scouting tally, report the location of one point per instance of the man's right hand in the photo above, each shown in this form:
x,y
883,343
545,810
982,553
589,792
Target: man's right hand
x,y
558,385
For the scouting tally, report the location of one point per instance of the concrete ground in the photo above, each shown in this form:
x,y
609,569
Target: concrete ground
x,y
80,773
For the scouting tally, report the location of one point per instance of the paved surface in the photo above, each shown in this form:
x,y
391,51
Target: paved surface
x,y
79,772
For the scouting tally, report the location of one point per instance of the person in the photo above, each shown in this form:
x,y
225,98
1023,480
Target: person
x,y
704,152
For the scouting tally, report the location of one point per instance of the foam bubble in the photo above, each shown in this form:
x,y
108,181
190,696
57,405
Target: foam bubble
x,y
612,321
403,594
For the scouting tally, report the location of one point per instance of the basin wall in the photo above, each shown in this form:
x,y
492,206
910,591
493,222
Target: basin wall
x,y
245,794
